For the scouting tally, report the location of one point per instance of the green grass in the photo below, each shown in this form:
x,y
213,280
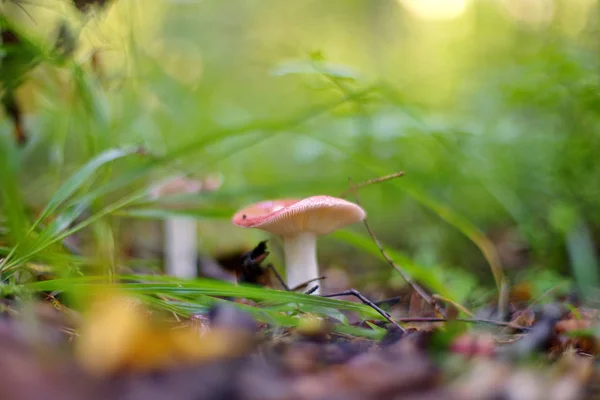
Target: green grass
x,y
186,297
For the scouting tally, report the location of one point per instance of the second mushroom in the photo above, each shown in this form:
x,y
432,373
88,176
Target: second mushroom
x,y
299,223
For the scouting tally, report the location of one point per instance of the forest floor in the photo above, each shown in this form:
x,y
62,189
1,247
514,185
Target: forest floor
x,y
122,349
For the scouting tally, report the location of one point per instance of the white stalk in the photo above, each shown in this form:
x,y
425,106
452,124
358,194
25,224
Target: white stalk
x,y
301,258
181,248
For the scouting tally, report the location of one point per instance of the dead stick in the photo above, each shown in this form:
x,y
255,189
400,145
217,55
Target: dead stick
x,y
278,277
356,293
305,284
428,299
312,290
300,286
467,320
372,181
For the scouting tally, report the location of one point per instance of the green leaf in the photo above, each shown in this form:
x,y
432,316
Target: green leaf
x,y
376,328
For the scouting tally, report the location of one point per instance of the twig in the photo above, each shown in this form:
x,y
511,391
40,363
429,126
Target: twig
x,y
312,290
467,320
428,299
305,284
356,293
278,277
372,181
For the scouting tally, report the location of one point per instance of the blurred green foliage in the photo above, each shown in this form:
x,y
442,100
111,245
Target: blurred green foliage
x,y
493,115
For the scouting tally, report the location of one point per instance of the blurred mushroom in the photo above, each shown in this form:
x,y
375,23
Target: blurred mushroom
x,y
299,222
180,233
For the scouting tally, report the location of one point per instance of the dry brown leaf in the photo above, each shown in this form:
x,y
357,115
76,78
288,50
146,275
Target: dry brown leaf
x,y
118,334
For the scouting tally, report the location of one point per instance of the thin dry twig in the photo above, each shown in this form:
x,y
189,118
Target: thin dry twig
x,y
467,320
372,181
357,294
312,290
428,299
305,284
278,277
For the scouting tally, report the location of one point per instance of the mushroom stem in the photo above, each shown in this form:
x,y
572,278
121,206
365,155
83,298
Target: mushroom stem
x,y
181,249
301,258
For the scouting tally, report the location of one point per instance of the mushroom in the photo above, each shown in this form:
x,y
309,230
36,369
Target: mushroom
x,y
180,232
299,222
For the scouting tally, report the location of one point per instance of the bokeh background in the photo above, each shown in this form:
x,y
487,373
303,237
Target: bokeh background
x,y
490,107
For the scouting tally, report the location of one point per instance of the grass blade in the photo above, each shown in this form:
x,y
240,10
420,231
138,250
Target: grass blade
x,y
82,177
173,286
11,201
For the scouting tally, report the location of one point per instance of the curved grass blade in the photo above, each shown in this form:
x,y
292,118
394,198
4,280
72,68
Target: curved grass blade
x,y
465,226
267,127
420,273
172,286
158,213
75,182
82,177
265,315
59,237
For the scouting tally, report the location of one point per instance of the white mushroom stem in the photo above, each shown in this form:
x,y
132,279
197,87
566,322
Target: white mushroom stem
x,y
181,247
301,258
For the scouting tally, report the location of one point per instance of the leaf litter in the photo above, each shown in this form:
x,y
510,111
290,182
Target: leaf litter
x,y
119,347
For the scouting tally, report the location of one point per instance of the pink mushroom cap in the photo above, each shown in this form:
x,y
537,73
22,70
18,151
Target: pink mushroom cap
x,y
317,214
